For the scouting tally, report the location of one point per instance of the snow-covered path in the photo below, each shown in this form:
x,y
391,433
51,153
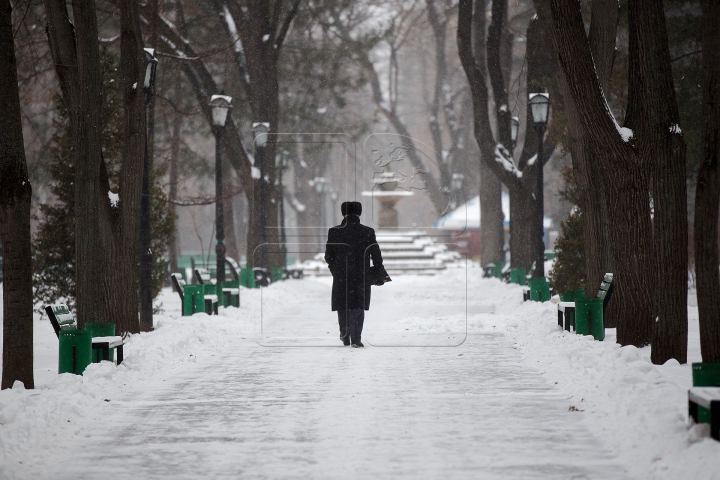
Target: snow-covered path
x,y
459,379
472,411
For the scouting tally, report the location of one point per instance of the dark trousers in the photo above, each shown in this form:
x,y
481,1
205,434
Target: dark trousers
x,y
351,323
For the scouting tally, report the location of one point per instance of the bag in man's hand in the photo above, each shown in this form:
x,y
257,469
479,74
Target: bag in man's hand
x,y
378,276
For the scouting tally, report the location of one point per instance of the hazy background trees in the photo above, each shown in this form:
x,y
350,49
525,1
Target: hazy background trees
x,y
359,67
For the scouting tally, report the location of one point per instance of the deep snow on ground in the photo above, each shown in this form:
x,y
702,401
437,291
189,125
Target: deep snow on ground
x,y
459,379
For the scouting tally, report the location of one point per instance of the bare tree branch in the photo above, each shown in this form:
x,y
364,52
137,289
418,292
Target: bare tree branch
x,y
286,23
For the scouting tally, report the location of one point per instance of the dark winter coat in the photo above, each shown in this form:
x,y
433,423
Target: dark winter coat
x,y
348,251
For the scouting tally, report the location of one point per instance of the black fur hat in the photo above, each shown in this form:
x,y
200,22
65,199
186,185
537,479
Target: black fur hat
x,y
351,208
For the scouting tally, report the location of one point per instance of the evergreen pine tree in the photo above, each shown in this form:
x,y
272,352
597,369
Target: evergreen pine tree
x,y
569,272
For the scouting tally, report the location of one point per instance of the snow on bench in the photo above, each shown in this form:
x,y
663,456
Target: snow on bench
x,y
566,310
61,319
704,407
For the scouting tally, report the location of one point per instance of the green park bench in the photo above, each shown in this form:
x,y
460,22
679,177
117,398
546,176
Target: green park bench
x,y
195,298
527,290
201,275
704,397
228,293
567,309
704,407
101,347
493,270
538,290
517,276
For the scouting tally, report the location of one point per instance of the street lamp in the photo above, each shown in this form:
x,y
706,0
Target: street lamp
x,y
281,162
260,132
220,105
540,107
514,127
146,256
320,186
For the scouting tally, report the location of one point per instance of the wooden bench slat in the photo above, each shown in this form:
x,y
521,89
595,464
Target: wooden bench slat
x,y
703,396
110,338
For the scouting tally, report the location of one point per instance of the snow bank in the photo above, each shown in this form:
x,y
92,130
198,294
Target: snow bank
x,y
35,424
636,409
639,410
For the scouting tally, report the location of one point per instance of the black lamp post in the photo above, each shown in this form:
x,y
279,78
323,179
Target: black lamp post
x,y
260,131
146,256
540,107
220,105
281,162
514,127
320,186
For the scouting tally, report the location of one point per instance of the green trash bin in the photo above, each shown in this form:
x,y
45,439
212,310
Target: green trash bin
x,y
517,276
101,330
497,269
706,374
231,299
539,289
277,274
589,317
75,352
193,299
572,295
247,278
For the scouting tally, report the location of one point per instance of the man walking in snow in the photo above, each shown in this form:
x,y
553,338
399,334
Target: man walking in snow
x,y
349,248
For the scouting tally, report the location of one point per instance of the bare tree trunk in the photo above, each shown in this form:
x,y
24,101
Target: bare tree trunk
x,y
262,33
492,238
495,155
707,196
106,237
624,174
173,250
498,25
603,28
653,116
520,177
439,29
89,255
15,199
121,290
524,230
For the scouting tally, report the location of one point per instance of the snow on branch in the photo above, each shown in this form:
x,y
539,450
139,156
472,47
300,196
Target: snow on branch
x,y
505,160
625,133
297,205
232,29
236,43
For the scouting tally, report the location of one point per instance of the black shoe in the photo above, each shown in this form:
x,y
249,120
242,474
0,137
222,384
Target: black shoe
x,y
345,340
357,345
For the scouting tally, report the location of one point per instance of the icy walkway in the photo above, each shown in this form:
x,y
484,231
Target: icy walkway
x,y
473,411
505,395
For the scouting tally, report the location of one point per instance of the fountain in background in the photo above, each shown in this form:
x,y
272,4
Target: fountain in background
x,y
384,191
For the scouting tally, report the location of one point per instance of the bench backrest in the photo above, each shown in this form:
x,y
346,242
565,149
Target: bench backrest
x,y
202,276
605,291
61,318
531,273
233,270
178,284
